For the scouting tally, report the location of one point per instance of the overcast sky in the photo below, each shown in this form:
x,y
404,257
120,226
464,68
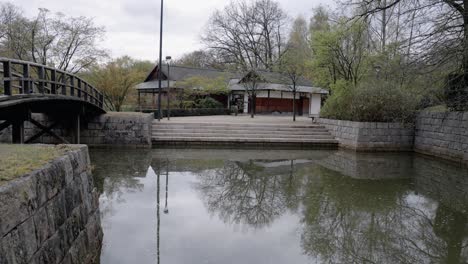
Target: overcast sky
x,y
132,26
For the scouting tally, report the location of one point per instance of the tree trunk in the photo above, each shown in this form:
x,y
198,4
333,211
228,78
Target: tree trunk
x,y
294,104
252,107
465,41
384,26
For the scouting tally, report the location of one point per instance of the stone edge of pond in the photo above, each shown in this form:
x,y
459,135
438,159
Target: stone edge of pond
x,y
52,214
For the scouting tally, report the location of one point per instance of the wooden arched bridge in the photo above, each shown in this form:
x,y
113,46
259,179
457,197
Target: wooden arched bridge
x,y
27,88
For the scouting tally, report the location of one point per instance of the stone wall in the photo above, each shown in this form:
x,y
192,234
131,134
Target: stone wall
x,y
443,134
119,129
52,215
369,136
111,129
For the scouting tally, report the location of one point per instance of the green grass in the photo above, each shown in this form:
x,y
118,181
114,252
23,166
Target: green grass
x,y
18,160
437,108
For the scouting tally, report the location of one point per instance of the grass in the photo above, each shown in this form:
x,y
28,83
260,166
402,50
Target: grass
x,y
437,108
18,160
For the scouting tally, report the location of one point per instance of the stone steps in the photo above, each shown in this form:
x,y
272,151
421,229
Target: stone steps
x,y
243,131
251,135
231,127
235,133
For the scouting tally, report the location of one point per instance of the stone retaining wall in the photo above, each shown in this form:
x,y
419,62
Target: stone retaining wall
x,y
443,134
369,136
111,129
52,215
119,129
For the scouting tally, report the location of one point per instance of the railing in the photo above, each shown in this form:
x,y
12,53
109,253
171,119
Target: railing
x,y
28,78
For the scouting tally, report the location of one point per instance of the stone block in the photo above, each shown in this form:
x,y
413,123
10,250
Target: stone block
x,y
18,201
21,243
56,212
41,223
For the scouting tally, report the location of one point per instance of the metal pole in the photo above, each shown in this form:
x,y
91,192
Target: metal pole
x,y
168,90
160,61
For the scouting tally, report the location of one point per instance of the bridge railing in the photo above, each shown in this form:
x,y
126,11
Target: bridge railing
x,y
28,78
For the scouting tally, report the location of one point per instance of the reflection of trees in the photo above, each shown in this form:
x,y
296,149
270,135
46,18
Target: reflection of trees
x,y
246,193
117,171
364,221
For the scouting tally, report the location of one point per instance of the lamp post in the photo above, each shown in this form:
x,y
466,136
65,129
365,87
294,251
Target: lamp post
x,y
160,60
168,59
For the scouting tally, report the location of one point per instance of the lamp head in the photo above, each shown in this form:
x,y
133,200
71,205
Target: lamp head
x,y
168,58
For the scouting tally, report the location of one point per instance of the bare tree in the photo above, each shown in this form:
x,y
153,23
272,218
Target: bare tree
x,y
247,35
200,59
251,83
67,43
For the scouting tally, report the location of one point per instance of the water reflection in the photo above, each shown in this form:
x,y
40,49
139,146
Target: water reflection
x,y
291,206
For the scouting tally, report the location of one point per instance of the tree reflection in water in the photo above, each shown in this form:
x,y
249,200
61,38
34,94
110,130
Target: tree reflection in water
x,y
362,221
344,220
247,194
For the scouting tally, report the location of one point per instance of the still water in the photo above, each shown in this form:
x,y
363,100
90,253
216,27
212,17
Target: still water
x,y
258,206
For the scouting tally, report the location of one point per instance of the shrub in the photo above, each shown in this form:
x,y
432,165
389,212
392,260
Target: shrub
x,y
208,102
456,93
337,104
371,102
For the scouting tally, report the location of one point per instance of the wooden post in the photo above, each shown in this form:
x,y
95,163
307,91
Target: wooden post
x,y
7,78
64,86
53,80
26,82
18,131
41,74
79,88
139,100
76,129
85,91
72,86
268,103
101,101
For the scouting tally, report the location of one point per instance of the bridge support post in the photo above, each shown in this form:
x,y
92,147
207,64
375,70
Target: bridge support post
x,y
18,131
76,129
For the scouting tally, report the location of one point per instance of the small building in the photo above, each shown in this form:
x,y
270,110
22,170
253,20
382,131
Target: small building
x,y
273,91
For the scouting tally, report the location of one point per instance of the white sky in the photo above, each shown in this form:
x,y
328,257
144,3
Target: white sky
x,y
132,26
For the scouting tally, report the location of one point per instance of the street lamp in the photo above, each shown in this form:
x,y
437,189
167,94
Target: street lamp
x,y
168,59
160,60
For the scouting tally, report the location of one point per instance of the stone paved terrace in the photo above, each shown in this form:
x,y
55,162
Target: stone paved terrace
x,y
242,119
242,130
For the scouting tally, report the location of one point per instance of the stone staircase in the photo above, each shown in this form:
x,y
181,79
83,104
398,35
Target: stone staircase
x,y
240,134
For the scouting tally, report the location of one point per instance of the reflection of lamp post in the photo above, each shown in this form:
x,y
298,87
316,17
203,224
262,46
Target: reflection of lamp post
x,y
160,60
158,218
168,59
166,210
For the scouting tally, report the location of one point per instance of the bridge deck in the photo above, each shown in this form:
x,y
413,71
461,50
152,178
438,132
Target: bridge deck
x,y
28,87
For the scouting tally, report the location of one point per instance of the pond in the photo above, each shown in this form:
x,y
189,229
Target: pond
x,y
273,206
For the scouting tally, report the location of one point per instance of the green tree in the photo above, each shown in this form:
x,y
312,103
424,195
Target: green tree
x,y
116,79
340,53
294,62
